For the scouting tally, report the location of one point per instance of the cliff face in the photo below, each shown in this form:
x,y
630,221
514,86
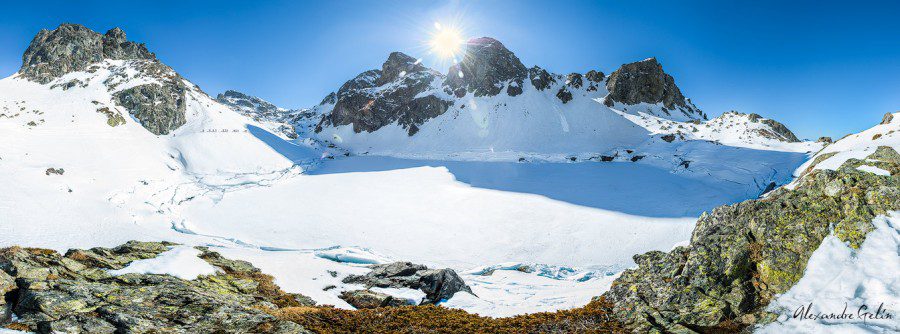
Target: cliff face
x,y
646,82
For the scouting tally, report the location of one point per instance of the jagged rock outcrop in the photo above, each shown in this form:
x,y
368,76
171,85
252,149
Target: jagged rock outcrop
x,y
74,293
646,82
158,105
742,255
595,76
377,98
159,108
437,284
486,68
540,78
73,47
780,130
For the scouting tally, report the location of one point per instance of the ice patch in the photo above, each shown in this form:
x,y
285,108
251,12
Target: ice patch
x,y
180,261
352,255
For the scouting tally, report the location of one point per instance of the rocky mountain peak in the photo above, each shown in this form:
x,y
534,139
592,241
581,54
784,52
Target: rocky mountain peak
x,y
486,66
646,82
398,65
72,47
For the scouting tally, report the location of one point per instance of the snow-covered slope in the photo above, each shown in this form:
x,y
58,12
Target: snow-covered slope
x,y
75,161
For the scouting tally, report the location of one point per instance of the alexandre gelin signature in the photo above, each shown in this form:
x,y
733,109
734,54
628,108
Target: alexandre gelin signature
x,y
864,312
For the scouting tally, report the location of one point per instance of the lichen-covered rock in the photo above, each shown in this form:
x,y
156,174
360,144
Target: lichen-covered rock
x,y
75,294
73,47
113,118
159,108
486,68
646,82
742,255
396,93
437,284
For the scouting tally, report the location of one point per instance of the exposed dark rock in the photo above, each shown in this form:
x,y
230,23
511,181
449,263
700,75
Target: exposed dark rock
x,y
363,299
486,66
887,118
636,158
378,98
57,171
564,95
669,138
754,117
826,140
513,89
331,98
72,47
594,76
397,66
113,118
646,82
540,78
782,131
75,294
574,80
159,108
606,158
741,256
438,284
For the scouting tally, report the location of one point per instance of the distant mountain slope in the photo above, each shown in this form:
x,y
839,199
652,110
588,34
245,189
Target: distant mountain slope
x,y
490,106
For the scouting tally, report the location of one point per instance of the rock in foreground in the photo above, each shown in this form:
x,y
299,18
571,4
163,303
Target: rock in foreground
x,y
437,284
74,293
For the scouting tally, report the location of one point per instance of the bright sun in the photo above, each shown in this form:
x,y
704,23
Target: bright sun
x,y
446,42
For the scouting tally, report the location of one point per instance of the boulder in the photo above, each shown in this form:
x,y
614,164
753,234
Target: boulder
x,y
437,284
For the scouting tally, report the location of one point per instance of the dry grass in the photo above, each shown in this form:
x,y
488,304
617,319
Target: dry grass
x,y
593,318
18,326
77,255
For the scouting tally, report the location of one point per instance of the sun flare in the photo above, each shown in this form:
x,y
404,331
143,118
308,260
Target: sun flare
x,y
446,42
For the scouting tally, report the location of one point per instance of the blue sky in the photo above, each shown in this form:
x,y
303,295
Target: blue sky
x,y
821,67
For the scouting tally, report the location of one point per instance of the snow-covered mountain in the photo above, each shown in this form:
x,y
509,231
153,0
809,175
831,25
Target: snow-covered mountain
x,y
489,168
490,104
119,126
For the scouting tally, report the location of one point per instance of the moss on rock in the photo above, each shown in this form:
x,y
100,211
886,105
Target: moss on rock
x,y
744,254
